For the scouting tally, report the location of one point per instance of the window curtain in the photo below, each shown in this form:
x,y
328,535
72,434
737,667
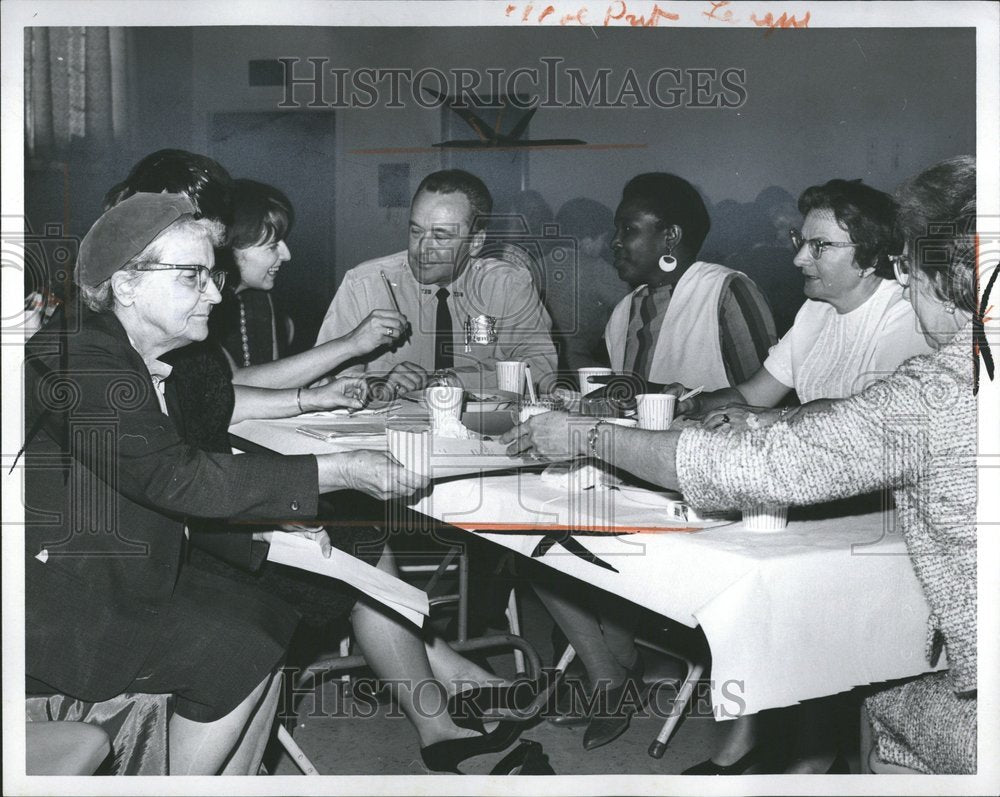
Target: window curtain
x,y
75,91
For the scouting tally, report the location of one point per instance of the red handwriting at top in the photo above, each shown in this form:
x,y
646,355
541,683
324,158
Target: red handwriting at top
x,y
618,13
725,16
784,21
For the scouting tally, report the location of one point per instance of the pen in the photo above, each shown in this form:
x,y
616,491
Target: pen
x,y
311,433
691,394
392,295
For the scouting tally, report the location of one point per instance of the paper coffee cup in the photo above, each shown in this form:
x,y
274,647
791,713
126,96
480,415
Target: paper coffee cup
x,y
510,376
411,449
765,517
586,386
444,404
655,410
445,400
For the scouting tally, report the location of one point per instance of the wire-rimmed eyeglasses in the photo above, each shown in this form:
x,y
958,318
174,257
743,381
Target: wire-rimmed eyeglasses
x,y
200,277
816,245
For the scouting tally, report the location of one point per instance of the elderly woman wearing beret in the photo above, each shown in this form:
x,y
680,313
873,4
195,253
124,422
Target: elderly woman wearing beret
x,y
925,412
110,483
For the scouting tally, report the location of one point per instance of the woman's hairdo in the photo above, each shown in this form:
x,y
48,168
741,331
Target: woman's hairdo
x,y
866,214
937,218
673,200
261,215
451,180
178,171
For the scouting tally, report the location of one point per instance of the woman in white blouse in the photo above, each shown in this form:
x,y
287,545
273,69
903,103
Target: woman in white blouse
x,y
856,326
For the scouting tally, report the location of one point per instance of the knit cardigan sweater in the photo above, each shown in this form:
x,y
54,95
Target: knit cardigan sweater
x,y
914,433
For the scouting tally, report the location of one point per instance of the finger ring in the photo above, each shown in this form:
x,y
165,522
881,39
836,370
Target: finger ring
x,y
724,418
390,331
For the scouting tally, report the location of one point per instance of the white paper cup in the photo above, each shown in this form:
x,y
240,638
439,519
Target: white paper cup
x,y
412,449
510,376
446,400
655,410
586,386
766,517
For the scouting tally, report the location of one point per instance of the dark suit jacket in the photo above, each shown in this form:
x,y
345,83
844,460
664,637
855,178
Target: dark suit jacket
x,y
109,485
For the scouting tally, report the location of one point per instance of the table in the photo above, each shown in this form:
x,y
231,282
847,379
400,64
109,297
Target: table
x,y
816,609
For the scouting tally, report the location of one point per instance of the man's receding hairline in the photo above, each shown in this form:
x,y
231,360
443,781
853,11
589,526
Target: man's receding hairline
x,y
472,214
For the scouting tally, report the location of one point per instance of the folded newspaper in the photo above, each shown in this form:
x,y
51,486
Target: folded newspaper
x,y
305,554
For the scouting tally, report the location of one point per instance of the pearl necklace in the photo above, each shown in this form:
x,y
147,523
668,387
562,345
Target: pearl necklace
x,y
243,333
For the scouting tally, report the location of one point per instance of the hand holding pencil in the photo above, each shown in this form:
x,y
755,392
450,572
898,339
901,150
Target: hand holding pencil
x,y
379,328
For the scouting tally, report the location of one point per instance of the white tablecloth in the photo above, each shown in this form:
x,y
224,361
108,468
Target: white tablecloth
x,y
818,608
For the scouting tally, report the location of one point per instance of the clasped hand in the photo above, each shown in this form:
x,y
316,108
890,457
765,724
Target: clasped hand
x,y
551,435
344,391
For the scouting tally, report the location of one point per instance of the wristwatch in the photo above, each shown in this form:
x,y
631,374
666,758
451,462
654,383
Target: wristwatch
x,y
592,435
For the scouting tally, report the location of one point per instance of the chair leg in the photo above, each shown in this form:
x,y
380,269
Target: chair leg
x,y
567,657
659,744
463,597
345,651
301,759
514,624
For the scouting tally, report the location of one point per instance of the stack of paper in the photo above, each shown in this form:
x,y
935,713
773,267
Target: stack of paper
x,y
305,554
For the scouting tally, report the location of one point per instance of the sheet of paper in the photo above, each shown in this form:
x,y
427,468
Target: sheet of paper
x,y
332,428
440,457
403,598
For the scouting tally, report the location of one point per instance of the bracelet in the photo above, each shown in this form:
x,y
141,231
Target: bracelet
x,y
592,435
298,400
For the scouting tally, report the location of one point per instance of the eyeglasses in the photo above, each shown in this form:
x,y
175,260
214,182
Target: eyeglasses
x,y
816,245
202,274
901,268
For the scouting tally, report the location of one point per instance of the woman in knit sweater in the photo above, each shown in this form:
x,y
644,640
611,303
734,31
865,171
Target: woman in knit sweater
x,y
925,413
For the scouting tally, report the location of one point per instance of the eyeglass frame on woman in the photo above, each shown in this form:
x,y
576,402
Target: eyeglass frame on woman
x,y
816,245
216,275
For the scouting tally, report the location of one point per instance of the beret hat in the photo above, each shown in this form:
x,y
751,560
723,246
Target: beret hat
x,y
124,231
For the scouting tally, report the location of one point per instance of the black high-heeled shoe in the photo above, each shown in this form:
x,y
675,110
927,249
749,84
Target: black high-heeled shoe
x,y
755,756
445,756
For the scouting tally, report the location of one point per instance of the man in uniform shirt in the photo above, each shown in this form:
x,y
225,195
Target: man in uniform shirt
x,y
441,282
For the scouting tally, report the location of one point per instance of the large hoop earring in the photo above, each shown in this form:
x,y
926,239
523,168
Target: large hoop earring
x,y
668,262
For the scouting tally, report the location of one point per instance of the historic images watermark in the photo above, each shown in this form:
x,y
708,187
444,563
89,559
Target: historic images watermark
x,y
553,695
314,83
